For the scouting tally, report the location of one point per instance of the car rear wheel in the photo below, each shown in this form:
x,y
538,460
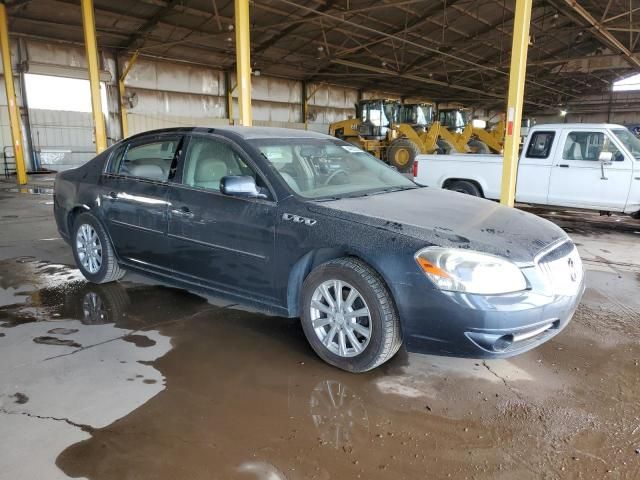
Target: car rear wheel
x,y
349,316
463,186
93,251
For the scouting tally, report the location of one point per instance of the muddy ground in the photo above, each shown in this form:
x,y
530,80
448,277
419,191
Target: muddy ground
x,y
134,380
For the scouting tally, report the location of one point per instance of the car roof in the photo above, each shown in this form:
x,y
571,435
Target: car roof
x,y
542,126
247,133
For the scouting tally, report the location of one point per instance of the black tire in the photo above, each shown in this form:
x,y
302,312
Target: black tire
x,y
401,154
386,337
465,186
109,270
444,147
101,304
636,215
478,147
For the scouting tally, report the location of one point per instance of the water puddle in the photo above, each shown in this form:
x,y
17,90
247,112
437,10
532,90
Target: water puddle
x,y
166,385
66,356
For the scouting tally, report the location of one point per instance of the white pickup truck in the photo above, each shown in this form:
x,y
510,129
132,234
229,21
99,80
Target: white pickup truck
x,y
580,165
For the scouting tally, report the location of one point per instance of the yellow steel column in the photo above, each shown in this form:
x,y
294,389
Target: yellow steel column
x,y
517,74
14,113
124,121
89,23
243,61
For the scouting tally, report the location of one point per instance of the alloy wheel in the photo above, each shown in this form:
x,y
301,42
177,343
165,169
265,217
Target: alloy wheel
x,y
89,248
341,318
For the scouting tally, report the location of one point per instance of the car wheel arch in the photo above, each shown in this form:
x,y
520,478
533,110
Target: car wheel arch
x,y
477,183
73,214
310,261
77,210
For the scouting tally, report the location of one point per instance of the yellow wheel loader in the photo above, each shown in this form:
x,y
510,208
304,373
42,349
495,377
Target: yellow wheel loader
x,y
396,133
472,139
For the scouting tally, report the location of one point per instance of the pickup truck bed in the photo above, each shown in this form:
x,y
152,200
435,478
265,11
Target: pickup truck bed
x,y
588,166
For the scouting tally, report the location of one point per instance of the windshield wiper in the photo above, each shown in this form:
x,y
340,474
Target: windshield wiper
x,y
326,199
393,189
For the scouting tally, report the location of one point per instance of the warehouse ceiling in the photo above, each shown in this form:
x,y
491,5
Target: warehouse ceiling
x,y
446,50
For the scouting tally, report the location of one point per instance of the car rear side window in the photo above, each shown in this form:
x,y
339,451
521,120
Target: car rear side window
x,y
151,161
540,145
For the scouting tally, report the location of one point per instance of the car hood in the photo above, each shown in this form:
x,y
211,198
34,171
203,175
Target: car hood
x,y
450,219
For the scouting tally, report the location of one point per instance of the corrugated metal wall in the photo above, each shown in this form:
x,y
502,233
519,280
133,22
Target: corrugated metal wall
x,y
62,139
173,94
170,95
164,95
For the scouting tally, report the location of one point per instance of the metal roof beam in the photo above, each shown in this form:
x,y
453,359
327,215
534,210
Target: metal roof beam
x,y
600,31
150,24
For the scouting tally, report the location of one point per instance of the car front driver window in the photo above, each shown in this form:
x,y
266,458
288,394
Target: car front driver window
x,y
207,161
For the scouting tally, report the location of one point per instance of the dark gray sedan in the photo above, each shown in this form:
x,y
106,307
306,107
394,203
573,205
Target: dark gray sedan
x,y
300,224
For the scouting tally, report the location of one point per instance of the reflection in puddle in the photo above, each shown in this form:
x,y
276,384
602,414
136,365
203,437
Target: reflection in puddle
x,y
261,470
67,352
35,190
337,413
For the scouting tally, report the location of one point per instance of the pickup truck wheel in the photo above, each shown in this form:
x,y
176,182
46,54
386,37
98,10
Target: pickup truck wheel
x,y
93,252
349,316
401,154
464,186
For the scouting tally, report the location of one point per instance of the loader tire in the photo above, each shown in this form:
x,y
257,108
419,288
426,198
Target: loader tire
x,y
402,152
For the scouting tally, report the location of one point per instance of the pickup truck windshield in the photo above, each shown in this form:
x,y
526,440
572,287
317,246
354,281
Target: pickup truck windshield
x,y
629,140
325,169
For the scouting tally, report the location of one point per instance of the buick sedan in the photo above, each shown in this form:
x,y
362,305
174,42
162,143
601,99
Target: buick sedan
x,y
300,224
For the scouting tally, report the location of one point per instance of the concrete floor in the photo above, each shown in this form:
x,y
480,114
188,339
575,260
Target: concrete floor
x,y
138,381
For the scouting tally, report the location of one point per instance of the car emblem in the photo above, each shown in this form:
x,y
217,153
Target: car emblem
x,y
309,222
573,272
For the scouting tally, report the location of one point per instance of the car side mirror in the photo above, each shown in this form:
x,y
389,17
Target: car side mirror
x,y
240,186
605,158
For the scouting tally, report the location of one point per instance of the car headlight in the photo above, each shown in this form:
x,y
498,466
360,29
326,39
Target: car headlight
x,y
460,270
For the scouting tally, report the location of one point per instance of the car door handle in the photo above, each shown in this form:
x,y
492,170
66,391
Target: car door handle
x,y
563,165
182,212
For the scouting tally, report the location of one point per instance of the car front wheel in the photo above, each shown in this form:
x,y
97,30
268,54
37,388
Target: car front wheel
x,y
349,316
93,252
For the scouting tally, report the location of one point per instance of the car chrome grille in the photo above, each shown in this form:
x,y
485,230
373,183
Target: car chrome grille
x,y
562,268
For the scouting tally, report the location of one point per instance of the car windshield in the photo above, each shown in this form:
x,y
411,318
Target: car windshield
x,y
326,168
629,140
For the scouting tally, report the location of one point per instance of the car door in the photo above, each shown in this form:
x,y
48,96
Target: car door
x,y
134,199
534,168
221,241
578,179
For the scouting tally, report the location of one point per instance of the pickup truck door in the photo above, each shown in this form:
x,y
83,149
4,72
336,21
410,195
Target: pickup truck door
x,y
578,179
534,169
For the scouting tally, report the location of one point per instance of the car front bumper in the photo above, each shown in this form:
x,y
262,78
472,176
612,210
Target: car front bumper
x,y
481,327
487,326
